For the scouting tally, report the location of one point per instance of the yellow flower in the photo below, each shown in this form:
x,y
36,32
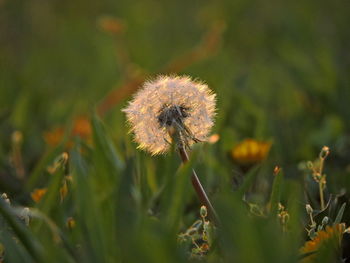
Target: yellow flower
x,y
38,194
251,151
330,234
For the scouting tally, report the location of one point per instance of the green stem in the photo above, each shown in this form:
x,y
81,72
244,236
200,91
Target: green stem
x,y
320,186
320,183
312,220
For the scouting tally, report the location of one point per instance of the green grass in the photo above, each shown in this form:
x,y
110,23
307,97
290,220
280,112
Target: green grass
x,y
280,72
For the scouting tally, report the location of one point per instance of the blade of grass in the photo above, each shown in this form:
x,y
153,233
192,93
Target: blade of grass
x,y
305,255
105,146
181,186
340,214
178,189
51,198
13,251
40,168
57,234
249,179
295,209
105,180
87,226
276,191
33,246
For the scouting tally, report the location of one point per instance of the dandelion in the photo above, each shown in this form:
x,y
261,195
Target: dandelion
x,y
167,103
173,109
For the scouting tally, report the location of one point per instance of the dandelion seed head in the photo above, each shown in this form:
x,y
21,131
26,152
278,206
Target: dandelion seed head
x,y
168,101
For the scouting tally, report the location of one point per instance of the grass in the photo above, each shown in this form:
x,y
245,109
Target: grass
x,y
280,72
118,217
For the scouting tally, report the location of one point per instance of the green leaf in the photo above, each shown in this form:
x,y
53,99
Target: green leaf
x,y
105,146
305,255
181,182
40,168
29,241
13,250
340,214
276,192
249,179
181,185
52,197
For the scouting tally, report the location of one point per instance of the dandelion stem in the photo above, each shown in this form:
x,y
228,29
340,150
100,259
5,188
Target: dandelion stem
x,y
198,187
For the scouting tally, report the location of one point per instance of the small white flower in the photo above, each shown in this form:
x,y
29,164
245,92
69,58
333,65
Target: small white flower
x,y
170,101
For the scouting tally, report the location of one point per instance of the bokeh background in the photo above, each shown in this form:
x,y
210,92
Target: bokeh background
x,y
280,70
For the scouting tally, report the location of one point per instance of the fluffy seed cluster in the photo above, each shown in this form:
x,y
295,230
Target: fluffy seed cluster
x,y
170,101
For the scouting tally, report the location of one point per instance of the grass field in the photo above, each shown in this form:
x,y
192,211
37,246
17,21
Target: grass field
x,y
276,165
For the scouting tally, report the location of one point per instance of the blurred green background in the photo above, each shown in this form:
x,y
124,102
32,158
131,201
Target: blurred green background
x,y
280,70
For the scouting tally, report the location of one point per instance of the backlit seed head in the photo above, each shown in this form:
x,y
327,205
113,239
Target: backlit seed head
x,y
167,103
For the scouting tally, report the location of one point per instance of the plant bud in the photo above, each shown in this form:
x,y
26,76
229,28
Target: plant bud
x,y
203,211
324,152
309,209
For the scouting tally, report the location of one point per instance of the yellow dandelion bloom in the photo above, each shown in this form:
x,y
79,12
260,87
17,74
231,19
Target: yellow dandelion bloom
x,y
168,102
251,151
38,194
330,234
